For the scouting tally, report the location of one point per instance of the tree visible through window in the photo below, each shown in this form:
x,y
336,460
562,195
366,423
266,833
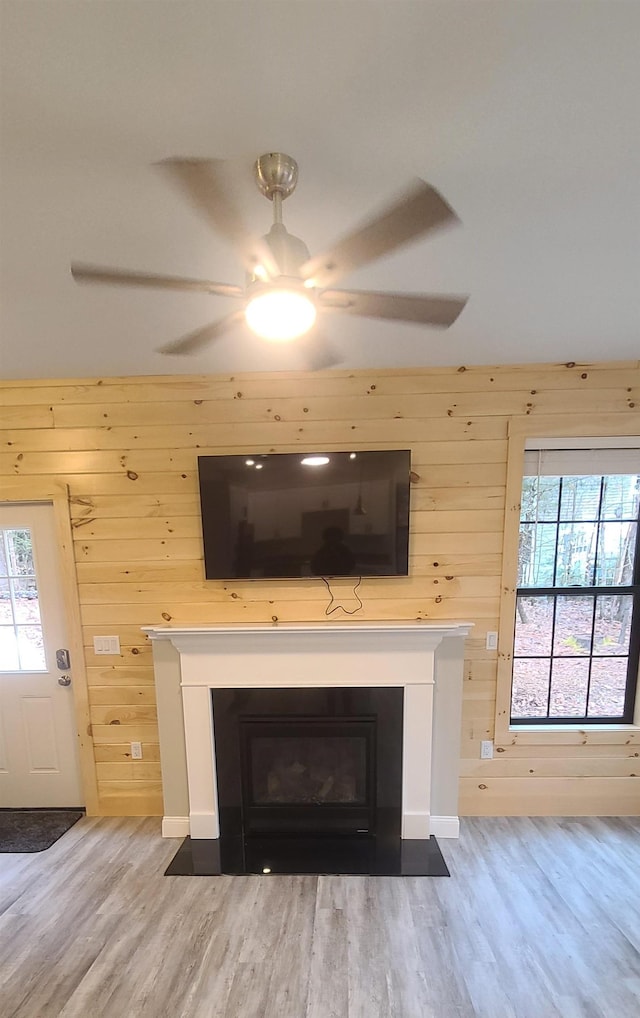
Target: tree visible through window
x,y
577,626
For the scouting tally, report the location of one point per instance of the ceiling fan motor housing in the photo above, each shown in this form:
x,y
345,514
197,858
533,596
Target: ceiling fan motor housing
x,y
276,173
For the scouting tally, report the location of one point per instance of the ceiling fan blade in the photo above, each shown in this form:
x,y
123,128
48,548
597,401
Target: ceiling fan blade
x,y
418,211
317,351
208,186
401,307
201,337
120,277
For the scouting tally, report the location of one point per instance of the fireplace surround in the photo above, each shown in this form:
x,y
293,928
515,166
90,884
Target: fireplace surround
x,y
424,660
301,761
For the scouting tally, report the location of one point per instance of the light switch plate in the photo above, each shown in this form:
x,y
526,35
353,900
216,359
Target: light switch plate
x,y
106,644
492,641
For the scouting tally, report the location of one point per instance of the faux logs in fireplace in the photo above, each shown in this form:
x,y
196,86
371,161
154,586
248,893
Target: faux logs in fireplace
x,y
300,762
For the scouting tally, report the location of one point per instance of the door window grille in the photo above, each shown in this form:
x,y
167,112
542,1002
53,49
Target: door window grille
x,y
21,642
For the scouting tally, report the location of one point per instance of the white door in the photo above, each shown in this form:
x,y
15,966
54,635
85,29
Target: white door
x,y
38,742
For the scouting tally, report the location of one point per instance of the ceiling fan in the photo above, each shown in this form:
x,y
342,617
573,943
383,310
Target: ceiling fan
x,y
286,288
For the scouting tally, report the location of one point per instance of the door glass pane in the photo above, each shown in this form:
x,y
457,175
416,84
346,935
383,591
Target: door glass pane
x,y
9,661
25,596
6,611
30,647
20,553
21,640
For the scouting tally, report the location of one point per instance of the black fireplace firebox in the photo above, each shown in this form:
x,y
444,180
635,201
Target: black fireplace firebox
x,y
309,762
307,774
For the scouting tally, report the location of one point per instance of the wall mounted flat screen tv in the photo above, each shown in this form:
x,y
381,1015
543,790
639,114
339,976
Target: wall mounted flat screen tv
x,y
303,514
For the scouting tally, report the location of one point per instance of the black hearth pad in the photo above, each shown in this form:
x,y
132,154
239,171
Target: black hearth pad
x,y
319,856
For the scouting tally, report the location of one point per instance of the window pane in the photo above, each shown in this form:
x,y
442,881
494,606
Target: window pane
x,y
536,554
620,499
576,554
31,647
3,557
616,546
574,621
608,682
530,687
6,612
8,650
534,623
576,532
26,601
20,553
529,500
539,498
612,624
580,498
569,681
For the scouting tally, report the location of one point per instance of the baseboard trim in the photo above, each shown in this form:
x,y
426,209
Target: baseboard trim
x,y
175,827
445,827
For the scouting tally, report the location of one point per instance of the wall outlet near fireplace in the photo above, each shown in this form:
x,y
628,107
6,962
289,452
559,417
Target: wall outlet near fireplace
x,y
486,749
136,751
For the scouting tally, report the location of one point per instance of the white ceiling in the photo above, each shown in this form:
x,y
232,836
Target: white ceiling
x,y
524,114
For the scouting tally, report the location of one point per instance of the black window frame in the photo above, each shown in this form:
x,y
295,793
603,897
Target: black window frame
x,y
633,663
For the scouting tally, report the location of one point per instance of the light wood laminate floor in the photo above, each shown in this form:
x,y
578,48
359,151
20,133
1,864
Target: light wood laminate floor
x,y
540,919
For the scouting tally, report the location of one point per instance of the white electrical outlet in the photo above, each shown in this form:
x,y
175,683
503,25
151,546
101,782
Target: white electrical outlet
x,y
106,645
486,749
492,641
136,751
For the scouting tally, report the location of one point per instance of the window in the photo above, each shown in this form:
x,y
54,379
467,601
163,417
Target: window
x,y
577,624
21,643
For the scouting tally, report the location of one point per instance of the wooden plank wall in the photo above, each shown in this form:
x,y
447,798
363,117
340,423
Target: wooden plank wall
x,y
127,449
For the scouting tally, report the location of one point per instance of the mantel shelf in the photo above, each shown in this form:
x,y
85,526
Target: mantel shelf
x,y
275,628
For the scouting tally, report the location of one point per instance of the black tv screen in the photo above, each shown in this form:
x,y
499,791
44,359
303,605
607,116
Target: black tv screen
x,y
305,514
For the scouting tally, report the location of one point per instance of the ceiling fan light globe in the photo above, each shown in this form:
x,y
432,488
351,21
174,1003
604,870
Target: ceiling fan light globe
x,y
280,315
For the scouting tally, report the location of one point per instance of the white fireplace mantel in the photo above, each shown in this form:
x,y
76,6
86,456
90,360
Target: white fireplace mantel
x,y
404,654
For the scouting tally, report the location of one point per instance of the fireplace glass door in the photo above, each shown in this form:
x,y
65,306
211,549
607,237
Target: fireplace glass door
x,y
308,774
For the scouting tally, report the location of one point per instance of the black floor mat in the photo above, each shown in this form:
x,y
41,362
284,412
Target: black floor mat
x,y
34,830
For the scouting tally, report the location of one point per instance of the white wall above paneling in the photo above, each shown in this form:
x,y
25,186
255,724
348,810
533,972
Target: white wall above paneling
x,y
524,115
